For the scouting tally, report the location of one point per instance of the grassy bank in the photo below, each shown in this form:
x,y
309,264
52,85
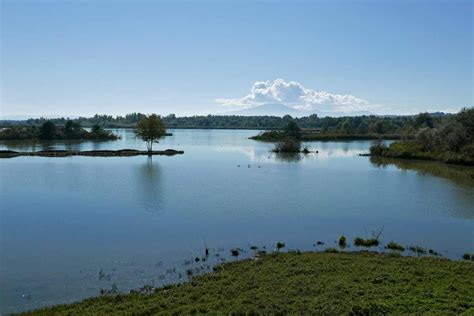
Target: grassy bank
x,y
414,150
319,283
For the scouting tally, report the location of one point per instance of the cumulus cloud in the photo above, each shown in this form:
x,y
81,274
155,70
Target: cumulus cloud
x,y
294,95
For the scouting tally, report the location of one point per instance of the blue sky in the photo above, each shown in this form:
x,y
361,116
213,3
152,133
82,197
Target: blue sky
x,y
189,57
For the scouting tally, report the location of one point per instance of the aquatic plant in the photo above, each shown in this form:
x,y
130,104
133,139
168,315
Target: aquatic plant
x,y
370,242
468,256
394,246
234,252
189,273
113,290
280,245
342,242
417,249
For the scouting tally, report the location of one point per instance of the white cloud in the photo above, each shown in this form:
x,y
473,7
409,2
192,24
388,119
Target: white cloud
x,y
294,95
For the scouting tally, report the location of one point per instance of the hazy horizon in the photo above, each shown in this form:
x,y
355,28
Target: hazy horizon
x,y
67,58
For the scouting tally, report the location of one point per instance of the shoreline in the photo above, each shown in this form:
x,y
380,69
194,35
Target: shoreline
x,y
89,153
294,282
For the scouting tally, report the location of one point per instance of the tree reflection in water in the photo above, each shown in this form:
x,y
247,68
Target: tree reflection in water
x,y
459,174
149,186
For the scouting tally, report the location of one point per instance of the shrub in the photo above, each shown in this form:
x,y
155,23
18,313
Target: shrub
x,y
288,145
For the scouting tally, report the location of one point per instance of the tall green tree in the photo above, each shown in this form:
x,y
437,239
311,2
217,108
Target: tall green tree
x,y
150,129
47,130
293,130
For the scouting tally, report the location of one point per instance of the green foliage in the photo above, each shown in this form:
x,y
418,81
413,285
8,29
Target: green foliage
x,y
150,129
71,130
293,130
47,131
452,142
306,283
424,120
357,125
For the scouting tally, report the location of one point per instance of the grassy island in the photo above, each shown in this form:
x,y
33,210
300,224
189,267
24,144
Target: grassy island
x,y
301,283
49,131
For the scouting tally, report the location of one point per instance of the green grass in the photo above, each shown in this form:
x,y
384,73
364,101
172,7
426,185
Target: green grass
x,y
413,150
302,283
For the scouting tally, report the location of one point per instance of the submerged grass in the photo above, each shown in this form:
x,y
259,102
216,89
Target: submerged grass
x,y
302,283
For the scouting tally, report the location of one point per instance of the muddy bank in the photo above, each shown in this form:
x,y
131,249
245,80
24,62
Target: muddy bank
x,y
90,153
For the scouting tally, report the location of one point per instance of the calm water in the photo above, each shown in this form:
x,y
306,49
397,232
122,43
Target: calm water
x,y
72,226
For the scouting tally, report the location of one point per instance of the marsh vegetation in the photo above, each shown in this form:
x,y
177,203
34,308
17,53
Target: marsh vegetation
x,y
71,130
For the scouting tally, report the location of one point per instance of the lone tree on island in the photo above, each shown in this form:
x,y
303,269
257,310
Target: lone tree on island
x,y
150,129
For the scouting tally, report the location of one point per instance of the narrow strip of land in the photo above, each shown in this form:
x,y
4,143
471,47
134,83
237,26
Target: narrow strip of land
x,y
90,153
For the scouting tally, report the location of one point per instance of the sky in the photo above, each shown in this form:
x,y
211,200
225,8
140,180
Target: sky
x,y
81,57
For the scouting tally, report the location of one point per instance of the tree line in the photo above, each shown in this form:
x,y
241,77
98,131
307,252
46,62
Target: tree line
x,y
451,140
356,124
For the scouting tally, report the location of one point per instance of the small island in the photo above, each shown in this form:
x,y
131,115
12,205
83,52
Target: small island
x,y
49,131
150,129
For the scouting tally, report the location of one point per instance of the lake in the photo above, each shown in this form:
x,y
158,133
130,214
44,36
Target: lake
x,y
70,227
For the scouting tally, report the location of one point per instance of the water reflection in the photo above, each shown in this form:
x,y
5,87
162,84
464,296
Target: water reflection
x,y
289,157
459,174
150,188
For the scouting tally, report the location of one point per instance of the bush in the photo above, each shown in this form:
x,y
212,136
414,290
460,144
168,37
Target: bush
x,y
288,145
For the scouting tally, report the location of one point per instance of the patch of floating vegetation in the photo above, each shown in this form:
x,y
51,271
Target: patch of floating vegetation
x,y
394,246
369,242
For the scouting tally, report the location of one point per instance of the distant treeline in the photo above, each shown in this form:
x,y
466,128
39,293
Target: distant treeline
x,y
355,124
49,131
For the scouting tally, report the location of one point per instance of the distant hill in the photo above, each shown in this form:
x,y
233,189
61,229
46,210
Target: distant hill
x,y
273,109
276,109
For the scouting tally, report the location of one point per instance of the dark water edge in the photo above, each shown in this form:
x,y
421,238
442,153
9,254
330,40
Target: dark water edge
x,y
90,153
